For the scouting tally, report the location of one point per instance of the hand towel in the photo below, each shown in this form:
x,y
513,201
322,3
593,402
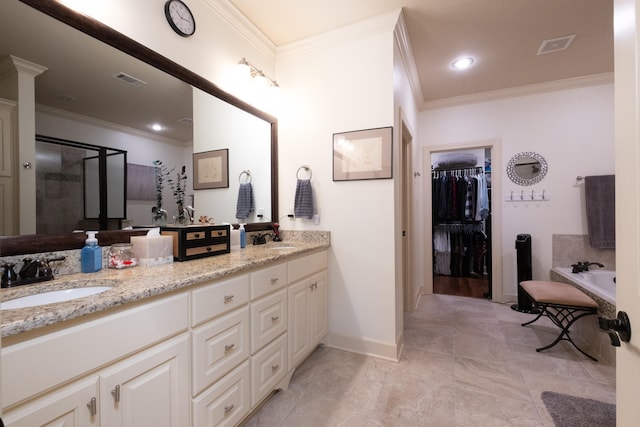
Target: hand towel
x,y
600,198
303,203
245,203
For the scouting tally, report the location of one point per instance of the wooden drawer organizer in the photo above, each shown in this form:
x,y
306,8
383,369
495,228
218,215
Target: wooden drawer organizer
x,y
199,241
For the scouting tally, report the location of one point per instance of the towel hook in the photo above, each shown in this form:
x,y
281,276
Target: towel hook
x,y
245,172
305,167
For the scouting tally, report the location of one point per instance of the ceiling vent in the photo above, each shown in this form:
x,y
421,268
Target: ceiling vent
x,y
186,121
556,45
133,81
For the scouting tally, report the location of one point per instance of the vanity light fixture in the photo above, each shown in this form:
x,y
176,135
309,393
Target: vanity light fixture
x,y
462,63
261,79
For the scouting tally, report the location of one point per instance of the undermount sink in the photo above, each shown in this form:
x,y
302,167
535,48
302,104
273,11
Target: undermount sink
x,y
52,297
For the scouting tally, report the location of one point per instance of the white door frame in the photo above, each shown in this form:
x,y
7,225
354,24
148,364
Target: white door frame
x,y
496,212
409,290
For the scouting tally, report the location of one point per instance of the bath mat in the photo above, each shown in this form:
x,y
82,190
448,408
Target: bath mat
x,y
570,411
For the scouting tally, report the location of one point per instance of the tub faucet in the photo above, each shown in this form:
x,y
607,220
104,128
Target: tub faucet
x,y
584,266
593,263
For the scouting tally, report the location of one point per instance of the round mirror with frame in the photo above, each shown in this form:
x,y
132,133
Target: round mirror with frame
x,y
527,168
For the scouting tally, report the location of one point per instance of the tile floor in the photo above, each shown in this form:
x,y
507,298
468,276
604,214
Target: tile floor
x,y
466,362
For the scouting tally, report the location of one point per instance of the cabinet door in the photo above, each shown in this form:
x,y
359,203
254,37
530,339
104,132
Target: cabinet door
x,y
66,407
318,308
299,343
148,389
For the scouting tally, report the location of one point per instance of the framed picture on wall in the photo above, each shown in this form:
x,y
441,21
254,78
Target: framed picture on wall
x,y
211,169
363,154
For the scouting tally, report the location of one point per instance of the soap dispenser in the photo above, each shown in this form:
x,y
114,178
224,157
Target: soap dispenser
x,y
243,237
91,255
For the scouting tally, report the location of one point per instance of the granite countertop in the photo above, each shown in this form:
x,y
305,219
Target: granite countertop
x,y
138,283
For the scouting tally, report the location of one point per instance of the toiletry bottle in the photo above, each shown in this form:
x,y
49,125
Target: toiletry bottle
x,y
243,237
91,255
234,239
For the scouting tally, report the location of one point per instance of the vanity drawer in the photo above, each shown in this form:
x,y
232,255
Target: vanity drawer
x,y
268,367
191,252
268,280
218,298
218,347
192,242
306,266
268,319
226,402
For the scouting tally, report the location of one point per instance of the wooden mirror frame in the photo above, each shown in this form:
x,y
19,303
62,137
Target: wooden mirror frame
x,y
16,245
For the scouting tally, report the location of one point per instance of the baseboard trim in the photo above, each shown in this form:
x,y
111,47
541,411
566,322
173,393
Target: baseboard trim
x,y
362,346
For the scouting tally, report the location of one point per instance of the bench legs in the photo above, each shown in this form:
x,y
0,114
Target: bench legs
x,y
563,316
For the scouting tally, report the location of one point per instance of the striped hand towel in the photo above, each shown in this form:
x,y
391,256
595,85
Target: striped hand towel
x,y
245,201
303,203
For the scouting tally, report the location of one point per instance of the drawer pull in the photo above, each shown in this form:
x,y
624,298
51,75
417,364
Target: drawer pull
x,y
228,409
275,318
93,408
197,235
116,393
229,347
275,367
228,298
219,233
208,248
274,280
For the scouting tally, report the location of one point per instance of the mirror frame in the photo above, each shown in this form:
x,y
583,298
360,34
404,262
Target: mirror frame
x,y
511,168
25,244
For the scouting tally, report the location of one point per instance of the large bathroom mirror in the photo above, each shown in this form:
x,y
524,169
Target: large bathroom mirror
x,y
179,85
527,168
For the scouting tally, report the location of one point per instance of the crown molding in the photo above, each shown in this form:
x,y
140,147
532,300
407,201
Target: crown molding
x,y
243,26
532,89
406,54
380,24
45,109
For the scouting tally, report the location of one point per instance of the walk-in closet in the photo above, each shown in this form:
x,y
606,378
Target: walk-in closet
x,y
461,222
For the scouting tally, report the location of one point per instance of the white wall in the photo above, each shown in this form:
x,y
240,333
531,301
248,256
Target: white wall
x,y
341,82
572,129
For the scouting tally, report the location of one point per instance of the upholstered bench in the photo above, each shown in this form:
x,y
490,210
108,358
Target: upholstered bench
x,y
563,304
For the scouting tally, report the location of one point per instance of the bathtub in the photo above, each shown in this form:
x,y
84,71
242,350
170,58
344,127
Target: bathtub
x,y
598,282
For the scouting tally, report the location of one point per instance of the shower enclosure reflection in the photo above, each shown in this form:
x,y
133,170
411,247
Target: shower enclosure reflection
x,y
78,186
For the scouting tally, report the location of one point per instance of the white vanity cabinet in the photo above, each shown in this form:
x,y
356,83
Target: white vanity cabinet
x,y
203,356
66,376
307,305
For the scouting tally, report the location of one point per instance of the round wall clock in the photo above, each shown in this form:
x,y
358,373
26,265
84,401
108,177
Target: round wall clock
x,y
180,17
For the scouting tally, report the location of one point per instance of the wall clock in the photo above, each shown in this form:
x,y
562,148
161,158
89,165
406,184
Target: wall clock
x,y
180,17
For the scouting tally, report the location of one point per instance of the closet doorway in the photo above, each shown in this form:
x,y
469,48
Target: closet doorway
x,y
461,232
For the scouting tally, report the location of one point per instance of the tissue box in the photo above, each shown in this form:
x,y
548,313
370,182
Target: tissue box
x,y
153,250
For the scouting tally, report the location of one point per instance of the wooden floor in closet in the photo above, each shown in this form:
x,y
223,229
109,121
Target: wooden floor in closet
x,y
461,286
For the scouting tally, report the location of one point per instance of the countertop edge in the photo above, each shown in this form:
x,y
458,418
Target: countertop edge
x,y
139,283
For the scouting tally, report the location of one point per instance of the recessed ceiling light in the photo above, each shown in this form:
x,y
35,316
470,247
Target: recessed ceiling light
x,y
157,127
462,63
